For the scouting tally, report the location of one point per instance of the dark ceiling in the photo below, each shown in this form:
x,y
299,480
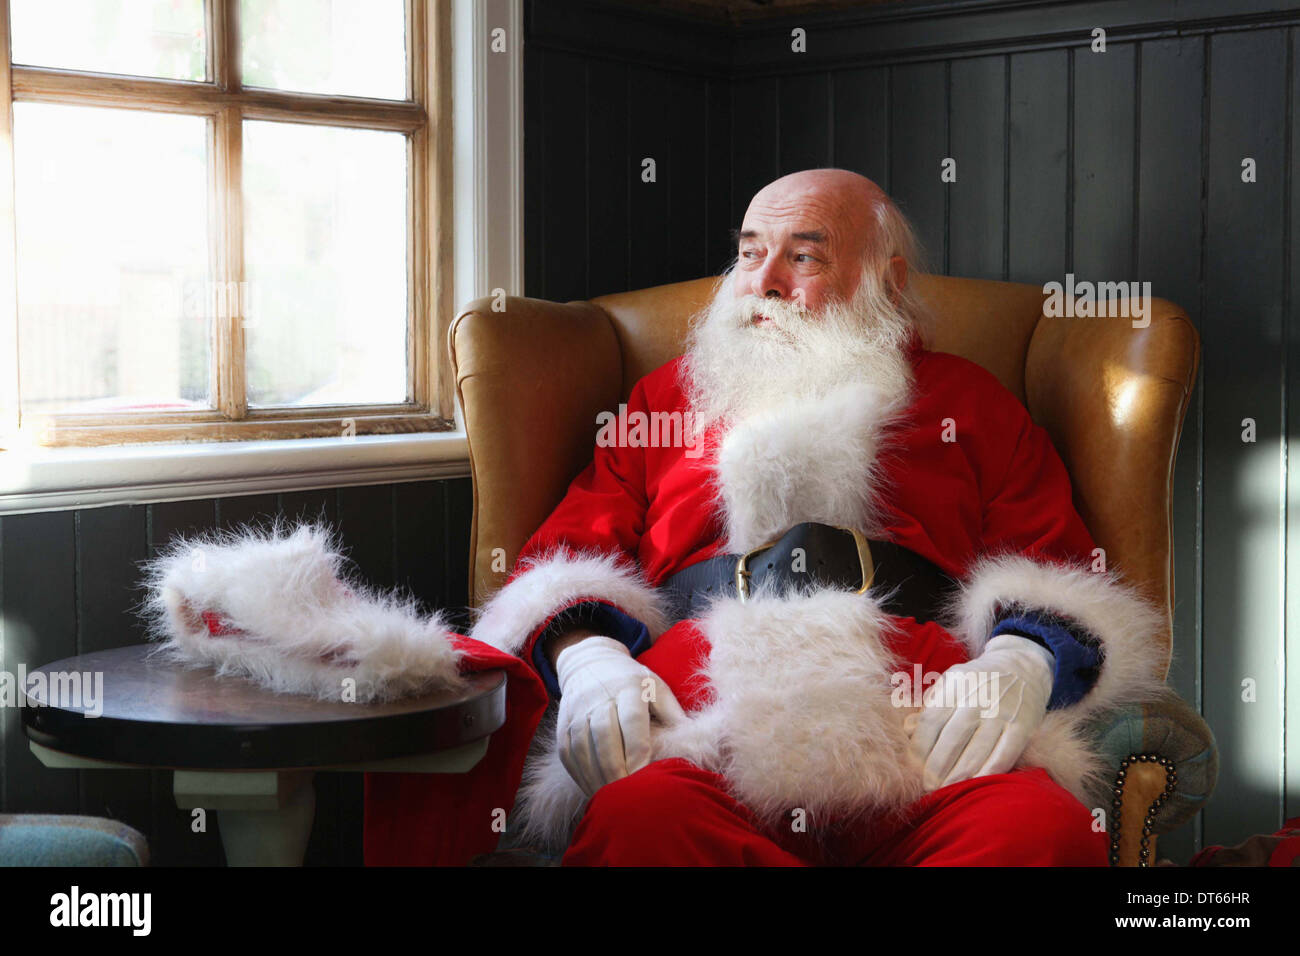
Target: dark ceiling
x,y
741,10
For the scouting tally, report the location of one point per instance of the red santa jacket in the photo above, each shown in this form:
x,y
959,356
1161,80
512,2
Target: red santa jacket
x,y
954,470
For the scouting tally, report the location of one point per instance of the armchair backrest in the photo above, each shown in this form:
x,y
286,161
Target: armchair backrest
x,y
532,378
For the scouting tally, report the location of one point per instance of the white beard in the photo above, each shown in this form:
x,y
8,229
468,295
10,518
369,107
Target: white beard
x,y
734,368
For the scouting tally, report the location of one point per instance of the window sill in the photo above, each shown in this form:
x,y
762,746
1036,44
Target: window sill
x,y
62,478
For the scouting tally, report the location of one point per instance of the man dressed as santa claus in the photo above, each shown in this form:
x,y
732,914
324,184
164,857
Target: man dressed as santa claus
x,y
851,617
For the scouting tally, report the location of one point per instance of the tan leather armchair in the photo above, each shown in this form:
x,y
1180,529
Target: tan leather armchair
x,y
532,378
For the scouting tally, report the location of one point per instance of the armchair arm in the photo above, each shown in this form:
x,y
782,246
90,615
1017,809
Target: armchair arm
x,y
531,379
1163,762
48,839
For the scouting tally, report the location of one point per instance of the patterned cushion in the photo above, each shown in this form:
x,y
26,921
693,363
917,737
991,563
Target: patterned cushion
x,y
1169,728
31,839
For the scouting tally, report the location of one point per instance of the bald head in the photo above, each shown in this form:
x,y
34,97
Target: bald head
x,y
807,236
838,194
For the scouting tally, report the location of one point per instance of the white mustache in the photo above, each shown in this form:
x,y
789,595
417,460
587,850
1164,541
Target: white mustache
x,y
780,311
785,319
736,366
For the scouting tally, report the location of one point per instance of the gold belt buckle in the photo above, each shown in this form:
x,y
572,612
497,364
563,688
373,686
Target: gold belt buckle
x,y
743,574
865,562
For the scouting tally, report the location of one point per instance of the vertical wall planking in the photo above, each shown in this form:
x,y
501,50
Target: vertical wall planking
x,y
756,140
1038,155
686,177
1242,353
111,543
1103,137
1170,238
1291,320
609,173
40,613
977,141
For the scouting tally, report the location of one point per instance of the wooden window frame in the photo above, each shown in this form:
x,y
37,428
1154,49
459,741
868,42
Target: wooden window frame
x,y
426,120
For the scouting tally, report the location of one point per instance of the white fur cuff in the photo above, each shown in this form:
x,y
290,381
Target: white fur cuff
x,y
557,580
277,607
1127,626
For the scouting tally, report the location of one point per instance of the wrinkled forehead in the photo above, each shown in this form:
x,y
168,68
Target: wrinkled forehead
x,y
837,214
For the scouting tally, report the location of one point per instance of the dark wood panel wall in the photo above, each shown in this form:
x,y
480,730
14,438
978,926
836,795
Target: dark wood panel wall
x,y
627,158
69,585
1125,165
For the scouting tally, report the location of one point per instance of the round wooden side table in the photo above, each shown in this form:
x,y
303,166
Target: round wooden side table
x,y
247,753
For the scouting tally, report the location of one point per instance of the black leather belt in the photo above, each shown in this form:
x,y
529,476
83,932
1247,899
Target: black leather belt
x,y
813,554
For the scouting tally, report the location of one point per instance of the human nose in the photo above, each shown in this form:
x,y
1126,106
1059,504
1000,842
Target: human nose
x,y
771,280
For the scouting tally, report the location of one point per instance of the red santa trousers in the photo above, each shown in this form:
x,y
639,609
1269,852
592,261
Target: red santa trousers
x,y
672,813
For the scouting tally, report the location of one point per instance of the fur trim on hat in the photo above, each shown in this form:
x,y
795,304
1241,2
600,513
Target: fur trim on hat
x,y
277,607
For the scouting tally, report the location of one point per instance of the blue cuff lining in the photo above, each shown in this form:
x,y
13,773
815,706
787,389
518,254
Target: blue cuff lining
x,y
597,616
1078,657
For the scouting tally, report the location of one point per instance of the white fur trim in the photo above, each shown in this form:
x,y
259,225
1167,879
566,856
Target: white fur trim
x,y
801,715
549,804
807,461
1126,625
1063,746
554,581
306,626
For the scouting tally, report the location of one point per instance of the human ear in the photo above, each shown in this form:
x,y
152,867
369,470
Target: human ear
x,y
898,273
896,277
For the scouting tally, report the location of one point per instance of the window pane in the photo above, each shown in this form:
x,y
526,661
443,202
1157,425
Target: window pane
x,y
325,227
112,258
164,38
344,47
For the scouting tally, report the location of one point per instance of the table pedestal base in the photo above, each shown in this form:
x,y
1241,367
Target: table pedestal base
x,y
266,816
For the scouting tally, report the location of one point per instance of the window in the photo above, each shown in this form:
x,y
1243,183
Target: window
x,y
222,222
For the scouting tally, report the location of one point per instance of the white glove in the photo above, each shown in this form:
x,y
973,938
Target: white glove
x,y
606,702
1013,679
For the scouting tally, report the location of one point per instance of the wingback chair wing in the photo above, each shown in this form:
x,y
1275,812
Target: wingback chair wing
x,y
533,376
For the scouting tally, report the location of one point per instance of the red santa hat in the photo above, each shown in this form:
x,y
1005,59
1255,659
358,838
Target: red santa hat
x,y
278,606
